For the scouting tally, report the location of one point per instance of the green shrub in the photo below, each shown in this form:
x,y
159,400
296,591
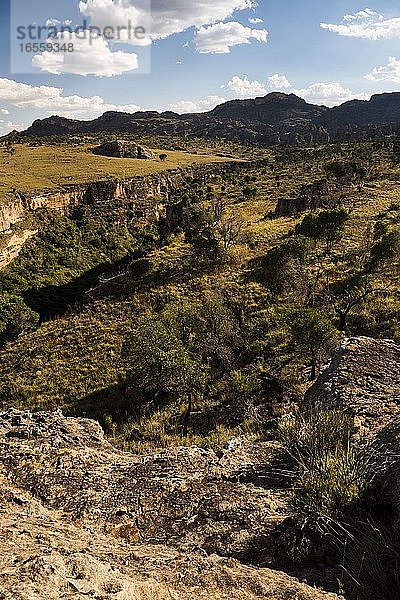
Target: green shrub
x,y
15,317
330,476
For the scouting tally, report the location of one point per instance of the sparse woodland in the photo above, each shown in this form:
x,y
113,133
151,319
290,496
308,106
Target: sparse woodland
x,y
213,325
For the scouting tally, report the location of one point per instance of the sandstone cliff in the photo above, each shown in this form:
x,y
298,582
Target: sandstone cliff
x,y
149,190
146,199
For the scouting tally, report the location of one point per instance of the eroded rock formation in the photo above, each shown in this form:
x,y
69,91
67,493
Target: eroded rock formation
x,y
310,197
79,518
121,149
144,198
147,192
363,378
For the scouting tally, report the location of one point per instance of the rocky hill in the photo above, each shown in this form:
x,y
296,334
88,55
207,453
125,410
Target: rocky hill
x,y
274,119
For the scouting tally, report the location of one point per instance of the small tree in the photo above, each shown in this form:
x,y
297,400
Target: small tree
x,y
160,365
290,256
313,335
163,157
15,317
326,225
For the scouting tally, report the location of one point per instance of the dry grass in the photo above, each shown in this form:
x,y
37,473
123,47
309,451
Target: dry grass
x,y
51,167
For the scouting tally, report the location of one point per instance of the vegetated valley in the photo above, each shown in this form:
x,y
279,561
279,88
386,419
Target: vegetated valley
x,y
195,320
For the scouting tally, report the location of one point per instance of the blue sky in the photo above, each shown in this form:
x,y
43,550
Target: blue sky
x,y
196,54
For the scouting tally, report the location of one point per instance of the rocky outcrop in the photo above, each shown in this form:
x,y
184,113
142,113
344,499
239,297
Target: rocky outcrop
x,y
364,379
13,245
121,149
79,518
43,557
184,497
310,197
11,211
385,450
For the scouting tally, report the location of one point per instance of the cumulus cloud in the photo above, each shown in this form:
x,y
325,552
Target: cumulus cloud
x,y
242,86
389,72
4,111
330,94
122,16
255,21
221,37
90,56
327,93
279,82
366,24
159,19
52,100
164,18
188,106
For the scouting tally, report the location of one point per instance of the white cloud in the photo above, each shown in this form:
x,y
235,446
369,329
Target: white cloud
x,y
22,94
90,56
327,93
4,111
51,100
366,24
255,21
52,23
119,14
165,17
242,86
279,82
188,106
221,37
389,72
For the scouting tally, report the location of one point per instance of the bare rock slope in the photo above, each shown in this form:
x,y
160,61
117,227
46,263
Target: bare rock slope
x,y
43,557
364,378
81,519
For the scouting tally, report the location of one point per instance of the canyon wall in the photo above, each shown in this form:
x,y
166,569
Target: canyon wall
x,y
147,194
144,198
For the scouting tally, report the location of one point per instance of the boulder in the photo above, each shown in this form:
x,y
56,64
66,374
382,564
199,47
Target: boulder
x,y
121,149
362,378
384,452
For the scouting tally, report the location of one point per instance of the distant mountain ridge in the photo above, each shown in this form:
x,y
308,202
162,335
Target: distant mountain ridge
x,y
276,118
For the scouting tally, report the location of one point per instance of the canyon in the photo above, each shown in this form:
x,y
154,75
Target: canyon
x,y
145,197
